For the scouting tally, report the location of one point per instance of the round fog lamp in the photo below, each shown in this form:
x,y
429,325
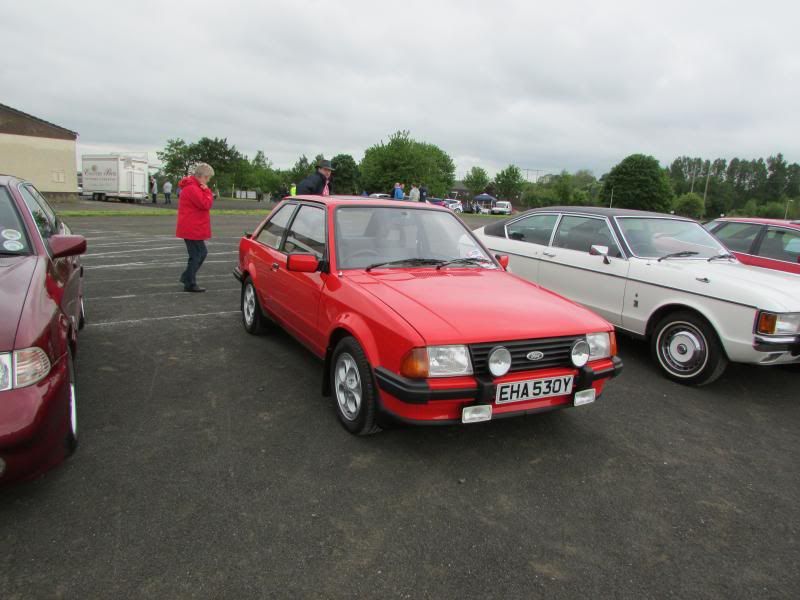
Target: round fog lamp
x,y
580,353
499,361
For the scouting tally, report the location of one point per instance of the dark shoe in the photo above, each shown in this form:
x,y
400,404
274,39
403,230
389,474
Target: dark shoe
x,y
196,289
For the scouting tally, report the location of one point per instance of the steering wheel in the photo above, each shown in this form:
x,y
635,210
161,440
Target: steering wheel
x,y
364,252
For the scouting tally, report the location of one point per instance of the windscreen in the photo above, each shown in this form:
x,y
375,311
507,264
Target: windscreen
x,y
12,231
659,237
367,235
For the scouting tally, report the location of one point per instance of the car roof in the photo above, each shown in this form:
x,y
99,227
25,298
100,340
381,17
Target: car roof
x,y
362,201
604,211
761,221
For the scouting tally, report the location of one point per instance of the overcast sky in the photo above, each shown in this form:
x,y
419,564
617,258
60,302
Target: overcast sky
x,y
544,85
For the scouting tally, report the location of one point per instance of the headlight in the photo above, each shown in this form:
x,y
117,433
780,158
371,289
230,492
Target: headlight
x,y
599,345
580,353
778,324
30,365
436,361
5,372
499,361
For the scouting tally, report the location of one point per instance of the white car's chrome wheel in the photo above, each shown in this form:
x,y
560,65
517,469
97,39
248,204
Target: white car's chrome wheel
x,y
682,349
348,386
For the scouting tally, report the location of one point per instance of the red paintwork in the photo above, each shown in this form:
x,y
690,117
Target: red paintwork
x,y
763,261
390,311
39,306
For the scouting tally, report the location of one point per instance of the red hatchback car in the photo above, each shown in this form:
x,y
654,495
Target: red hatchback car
x,y
767,243
41,310
414,318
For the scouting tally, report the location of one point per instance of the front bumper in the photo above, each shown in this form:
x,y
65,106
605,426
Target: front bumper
x,y
777,349
416,401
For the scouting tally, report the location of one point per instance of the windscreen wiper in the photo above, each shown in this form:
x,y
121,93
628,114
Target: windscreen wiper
x,y
680,254
406,261
475,260
727,255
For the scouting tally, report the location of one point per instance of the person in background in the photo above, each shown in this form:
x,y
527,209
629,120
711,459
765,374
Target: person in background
x,y
318,183
413,195
154,189
423,193
293,190
397,193
364,194
194,222
167,192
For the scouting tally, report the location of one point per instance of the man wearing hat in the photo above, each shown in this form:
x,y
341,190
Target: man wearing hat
x,y
319,183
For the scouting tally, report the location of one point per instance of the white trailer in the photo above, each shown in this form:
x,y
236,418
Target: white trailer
x,y
118,176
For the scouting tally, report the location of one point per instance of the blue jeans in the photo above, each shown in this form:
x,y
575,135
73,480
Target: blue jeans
x,y
197,254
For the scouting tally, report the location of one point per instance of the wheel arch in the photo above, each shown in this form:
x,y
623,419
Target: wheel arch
x,y
355,328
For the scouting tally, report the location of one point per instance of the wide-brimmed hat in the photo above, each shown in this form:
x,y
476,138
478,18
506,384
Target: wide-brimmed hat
x,y
325,164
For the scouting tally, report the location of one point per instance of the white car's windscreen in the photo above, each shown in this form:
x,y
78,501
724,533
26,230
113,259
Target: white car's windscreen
x,y
655,237
368,235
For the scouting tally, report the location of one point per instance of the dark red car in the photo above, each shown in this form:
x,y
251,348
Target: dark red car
x,y
41,310
767,243
414,318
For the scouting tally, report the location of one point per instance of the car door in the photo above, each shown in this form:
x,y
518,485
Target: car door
x,y
779,248
66,271
300,293
525,240
268,259
739,238
568,268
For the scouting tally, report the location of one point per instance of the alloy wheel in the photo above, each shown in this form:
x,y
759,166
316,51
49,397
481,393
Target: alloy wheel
x,y
348,386
249,304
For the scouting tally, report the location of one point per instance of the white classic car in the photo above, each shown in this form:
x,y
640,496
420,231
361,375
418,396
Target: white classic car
x,y
659,277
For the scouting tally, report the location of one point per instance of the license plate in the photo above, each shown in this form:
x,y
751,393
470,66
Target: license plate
x,y
532,389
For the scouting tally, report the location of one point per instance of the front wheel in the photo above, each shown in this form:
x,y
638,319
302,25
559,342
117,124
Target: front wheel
x,y
353,388
72,435
253,318
687,349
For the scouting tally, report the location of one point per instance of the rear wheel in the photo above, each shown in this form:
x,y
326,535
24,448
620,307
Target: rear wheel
x,y
687,349
353,388
253,318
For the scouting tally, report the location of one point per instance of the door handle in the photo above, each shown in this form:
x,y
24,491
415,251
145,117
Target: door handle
x,y
550,254
275,266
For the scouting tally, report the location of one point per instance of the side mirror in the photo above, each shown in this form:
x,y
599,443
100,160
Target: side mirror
x,y
247,234
503,260
302,263
600,251
67,245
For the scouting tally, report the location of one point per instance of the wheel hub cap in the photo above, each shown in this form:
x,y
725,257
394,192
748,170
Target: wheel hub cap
x,y
348,386
683,349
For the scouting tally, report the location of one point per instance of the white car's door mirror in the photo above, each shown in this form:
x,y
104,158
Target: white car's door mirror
x,y
596,250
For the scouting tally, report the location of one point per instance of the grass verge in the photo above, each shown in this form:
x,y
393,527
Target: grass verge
x,y
154,213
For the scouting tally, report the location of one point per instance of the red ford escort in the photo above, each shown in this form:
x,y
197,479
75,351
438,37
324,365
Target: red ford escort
x,y
414,318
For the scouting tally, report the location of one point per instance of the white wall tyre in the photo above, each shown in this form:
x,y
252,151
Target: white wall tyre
x,y
687,349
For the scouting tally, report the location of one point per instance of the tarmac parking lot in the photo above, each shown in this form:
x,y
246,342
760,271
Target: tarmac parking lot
x,y
210,466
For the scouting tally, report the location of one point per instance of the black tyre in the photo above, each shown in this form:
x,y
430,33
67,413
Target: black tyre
x,y
253,318
82,318
71,440
687,349
354,393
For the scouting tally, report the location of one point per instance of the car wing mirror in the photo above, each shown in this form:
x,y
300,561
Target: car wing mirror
x,y
67,245
302,263
247,235
503,260
597,250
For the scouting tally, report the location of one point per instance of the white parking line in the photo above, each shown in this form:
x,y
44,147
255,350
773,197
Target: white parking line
x,y
153,265
96,281
132,321
125,296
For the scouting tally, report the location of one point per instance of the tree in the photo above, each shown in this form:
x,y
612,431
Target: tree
x,y
690,204
403,159
509,183
345,175
638,182
476,180
176,158
301,169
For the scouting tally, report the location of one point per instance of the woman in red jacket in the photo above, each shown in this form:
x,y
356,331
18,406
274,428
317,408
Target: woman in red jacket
x,y
194,221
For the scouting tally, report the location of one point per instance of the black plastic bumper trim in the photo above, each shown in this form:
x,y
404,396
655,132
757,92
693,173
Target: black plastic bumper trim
x,y
413,391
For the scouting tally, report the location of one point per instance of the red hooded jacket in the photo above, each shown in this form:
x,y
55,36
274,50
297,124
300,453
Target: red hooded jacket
x,y
194,202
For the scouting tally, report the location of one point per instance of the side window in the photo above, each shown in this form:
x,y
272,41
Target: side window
x,y
781,244
45,219
738,236
535,229
581,233
307,233
272,233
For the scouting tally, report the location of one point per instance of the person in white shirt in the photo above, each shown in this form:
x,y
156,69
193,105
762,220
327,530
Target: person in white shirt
x,y
413,195
167,192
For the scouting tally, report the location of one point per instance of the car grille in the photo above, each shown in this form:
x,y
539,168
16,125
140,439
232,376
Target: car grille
x,y
556,354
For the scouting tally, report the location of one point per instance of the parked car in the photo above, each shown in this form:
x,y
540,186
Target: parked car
x,y
436,201
387,296
659,277
501,207
41,311
767,243
379,196
454,205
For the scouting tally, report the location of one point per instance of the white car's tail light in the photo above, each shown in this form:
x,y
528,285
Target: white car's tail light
x,y
30,366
